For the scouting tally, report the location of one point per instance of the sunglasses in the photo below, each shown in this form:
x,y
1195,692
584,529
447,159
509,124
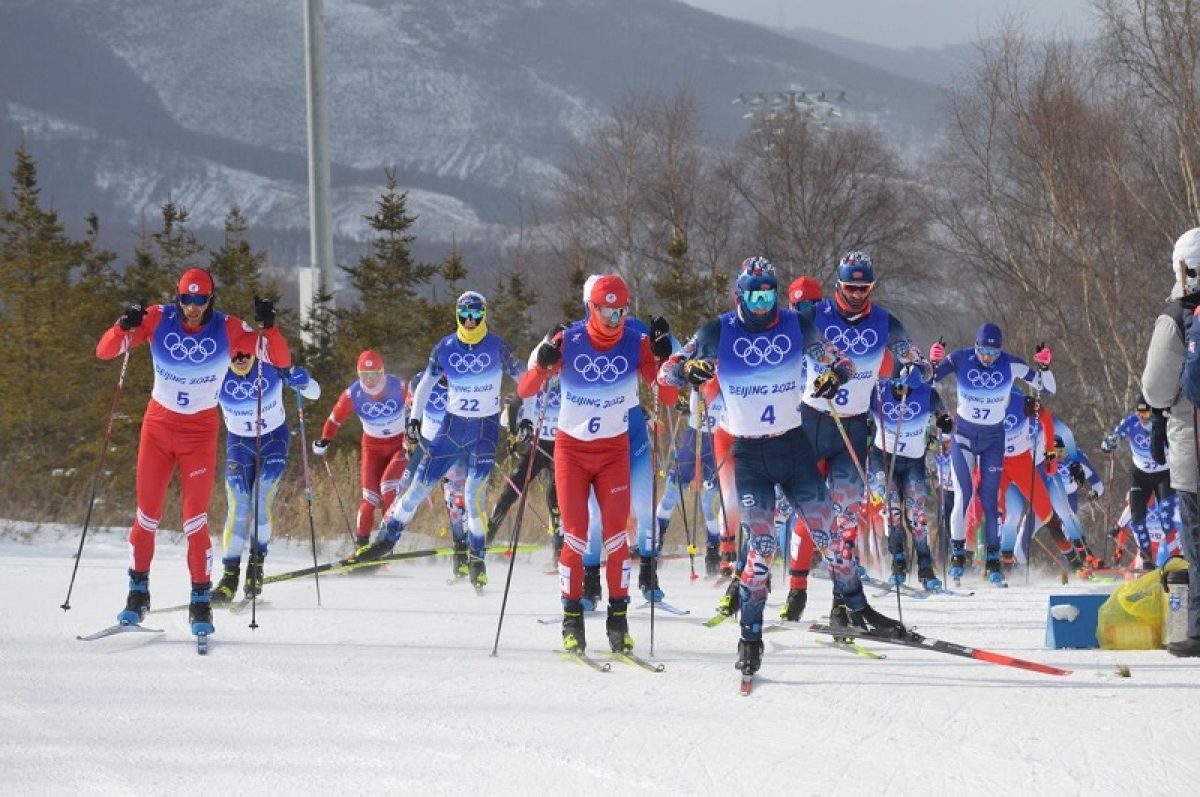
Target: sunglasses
x,y
613,314
857,290
370,376
471,315
197,299
758,300
987,351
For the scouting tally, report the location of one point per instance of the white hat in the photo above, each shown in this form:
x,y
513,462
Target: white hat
x,y
587,287
1187,249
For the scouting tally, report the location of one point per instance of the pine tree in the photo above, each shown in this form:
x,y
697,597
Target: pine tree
x,y
510,311
47,396
237,270
391,315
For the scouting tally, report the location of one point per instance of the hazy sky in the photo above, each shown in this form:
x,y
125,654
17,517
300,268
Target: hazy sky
x,y
907,23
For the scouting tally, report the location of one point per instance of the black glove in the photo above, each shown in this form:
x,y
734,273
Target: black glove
x,y
682,404
547,354
264,312
660,337
319,446
133,315
1031,406
1076,471
697,372
412,431
826,385
944,423
524,432
1158,436
1108,444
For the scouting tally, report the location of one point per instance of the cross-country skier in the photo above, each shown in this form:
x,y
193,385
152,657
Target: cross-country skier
x,y
256,450
598,362
759,350
984,376
1146,477
474,362
877,344
191,344
379,399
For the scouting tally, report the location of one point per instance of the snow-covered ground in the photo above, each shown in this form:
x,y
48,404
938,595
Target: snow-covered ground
x,y
389,687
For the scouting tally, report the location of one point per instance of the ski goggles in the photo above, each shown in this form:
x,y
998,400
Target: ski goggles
x,y
471,315
196,299
370,376
988,352
857,289
611,314
758,300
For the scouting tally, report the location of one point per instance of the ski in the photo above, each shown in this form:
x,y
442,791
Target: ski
x,y
244,605
637,661
747,684
851,647
922,594
202,643
119,628
579,657
663,606
950,592
237,607
347,565
716,620
886,588
915,640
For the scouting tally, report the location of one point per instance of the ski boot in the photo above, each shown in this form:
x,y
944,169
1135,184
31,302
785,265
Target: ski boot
x,y
230,578
877,624
617,625
712,559
138,601
574,638
958,559
648,579
838,613
591,588
200,608
254,575
749,656
460,559
477,570
991,565
731,601
793,607
899,569
928,578
388,536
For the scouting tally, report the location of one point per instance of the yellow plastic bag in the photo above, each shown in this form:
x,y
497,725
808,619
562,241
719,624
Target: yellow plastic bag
x,y
1132,617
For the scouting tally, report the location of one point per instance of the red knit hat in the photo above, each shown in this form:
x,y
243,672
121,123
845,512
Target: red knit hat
x,y
370,360
196,281
804,289
610,291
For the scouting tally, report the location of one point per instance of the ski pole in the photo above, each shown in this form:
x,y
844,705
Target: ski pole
x,y
257,487
1112,457
654,459
108,428
341,505
308,493
543,400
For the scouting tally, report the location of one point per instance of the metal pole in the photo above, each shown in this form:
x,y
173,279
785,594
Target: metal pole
x,y
319,202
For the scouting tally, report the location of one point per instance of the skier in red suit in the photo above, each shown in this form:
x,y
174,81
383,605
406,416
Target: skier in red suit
x,y
191,344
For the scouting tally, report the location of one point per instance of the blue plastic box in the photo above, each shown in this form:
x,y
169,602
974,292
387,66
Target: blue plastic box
x,y
1080,632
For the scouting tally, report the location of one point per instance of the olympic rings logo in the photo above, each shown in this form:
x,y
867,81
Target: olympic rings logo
x,y
1140,440
985,379
242,389
469,363
437,401
756,351
852,341
602,368
554,400
903,411
379,409
1010,422
195,350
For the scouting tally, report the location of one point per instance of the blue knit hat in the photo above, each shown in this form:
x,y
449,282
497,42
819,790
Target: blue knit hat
x,y
989,335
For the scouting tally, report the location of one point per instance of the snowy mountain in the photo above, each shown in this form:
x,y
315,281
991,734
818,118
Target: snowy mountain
x,y
125,103
389,686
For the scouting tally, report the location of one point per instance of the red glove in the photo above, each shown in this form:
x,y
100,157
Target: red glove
x,y
1042,357
937,352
